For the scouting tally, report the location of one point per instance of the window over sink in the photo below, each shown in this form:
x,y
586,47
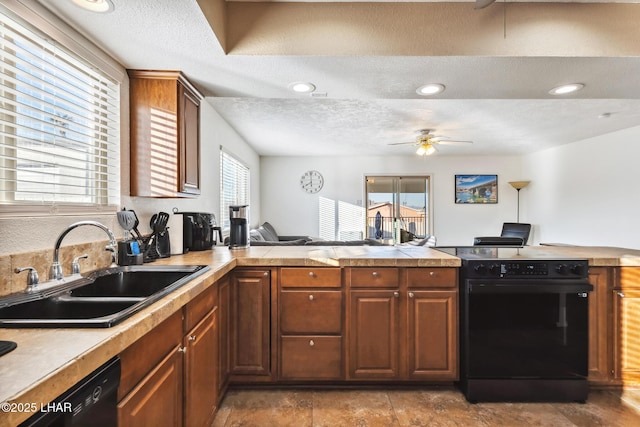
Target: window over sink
x,y
59,124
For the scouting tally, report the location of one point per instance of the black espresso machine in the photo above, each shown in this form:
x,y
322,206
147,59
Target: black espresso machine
x,y
198,231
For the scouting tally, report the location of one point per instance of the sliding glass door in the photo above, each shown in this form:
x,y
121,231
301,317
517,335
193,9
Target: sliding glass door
x,y
397,207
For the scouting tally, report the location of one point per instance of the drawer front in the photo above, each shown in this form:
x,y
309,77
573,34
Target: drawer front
x,y
198,307
311,357
310,277
370,277
432,277
311,312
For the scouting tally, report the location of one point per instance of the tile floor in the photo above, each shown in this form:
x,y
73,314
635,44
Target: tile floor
x,y
433,407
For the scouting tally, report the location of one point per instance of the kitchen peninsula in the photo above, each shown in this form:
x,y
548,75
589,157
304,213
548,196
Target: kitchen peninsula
x,y
49,361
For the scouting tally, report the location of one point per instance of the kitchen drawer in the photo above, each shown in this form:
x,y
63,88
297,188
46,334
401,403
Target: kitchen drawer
x,y
432,277
198,307
310,277
311,357
370,277
311,312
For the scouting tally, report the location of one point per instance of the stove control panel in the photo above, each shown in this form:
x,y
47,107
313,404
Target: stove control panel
x,y
558,269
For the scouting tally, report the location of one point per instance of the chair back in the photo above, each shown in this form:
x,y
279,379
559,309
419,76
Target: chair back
x,y
516,229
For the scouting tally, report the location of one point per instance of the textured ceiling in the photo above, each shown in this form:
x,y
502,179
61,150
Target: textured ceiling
x,y
499,102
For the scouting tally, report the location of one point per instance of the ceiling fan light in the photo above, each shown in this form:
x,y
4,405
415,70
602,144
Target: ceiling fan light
x,y
430,89
425,149
566,89
302,87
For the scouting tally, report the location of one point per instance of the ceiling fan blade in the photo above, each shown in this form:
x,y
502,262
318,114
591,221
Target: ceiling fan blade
x,y
403,143
452,142
481,4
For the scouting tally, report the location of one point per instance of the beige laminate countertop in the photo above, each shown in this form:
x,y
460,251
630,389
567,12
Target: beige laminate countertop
x,y
49,361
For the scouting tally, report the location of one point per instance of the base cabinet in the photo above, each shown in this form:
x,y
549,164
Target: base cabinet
x,y
170,376
406,332
626,326
157,399
250,325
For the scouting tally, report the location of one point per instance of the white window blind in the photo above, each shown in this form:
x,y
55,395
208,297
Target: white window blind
x,y
59,125
234,183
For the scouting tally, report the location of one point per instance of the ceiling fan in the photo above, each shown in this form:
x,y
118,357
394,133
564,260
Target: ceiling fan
x,y
427,142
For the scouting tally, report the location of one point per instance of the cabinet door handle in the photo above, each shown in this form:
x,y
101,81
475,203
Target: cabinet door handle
x,y
311,297
192,337
396,294
265,274
621,294
311,343
411,294
182,350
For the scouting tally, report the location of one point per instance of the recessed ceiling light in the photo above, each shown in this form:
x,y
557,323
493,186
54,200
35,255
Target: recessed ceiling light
x,y
430,89
565,89
99,6
302,87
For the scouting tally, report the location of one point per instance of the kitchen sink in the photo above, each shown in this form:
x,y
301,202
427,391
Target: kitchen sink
x,y
100,299
127,283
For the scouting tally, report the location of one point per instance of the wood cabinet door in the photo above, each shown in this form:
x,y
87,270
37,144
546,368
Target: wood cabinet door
x,y
201,376
157,399
189,143
599,365
373,334
432,335
250,322
626,330
224,327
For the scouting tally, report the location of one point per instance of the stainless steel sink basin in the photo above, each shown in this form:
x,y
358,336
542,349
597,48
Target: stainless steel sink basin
x,y
101,299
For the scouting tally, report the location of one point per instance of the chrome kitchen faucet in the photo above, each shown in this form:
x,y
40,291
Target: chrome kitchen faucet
x,y
56,268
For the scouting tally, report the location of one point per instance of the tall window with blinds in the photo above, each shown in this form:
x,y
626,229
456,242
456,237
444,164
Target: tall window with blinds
x,y
234,185
59,125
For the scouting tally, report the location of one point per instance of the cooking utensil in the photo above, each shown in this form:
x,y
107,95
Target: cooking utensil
x,y
126,219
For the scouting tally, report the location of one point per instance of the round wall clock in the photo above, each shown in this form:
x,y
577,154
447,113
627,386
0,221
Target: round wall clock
x,y
311,181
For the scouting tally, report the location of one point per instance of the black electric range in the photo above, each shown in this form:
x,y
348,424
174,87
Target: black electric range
x,y
523,325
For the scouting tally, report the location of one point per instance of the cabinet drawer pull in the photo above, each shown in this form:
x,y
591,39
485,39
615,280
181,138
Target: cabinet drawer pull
x,y
411,294
265,274
311,343
396,294
432,273
311,274
621,294
375,274
311,297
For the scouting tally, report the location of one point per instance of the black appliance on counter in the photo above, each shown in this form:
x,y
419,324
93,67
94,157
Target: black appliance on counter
x,y
523,325
239,227
92,402
198,231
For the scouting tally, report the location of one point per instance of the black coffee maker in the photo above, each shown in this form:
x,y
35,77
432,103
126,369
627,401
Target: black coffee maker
x,y
239,231
198,231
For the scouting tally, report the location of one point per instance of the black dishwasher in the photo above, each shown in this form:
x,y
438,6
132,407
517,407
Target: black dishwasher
x,y
91,402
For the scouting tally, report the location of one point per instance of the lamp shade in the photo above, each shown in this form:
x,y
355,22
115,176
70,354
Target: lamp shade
x,y
518,185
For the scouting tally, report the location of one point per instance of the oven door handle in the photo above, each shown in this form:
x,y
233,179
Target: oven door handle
x,y
541,287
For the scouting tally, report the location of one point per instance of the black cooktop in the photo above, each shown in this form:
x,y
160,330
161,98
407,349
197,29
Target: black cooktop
x,y
507,253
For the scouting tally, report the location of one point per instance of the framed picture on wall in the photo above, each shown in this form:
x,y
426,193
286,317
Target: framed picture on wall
x,y
478,189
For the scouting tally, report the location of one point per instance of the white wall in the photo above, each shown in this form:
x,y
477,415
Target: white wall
x,y
293,211
585,193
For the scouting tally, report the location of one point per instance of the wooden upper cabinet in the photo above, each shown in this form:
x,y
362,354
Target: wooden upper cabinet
x,y
165,134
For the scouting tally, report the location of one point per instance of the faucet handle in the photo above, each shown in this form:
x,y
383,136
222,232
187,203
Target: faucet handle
x,y
32,278
75,265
